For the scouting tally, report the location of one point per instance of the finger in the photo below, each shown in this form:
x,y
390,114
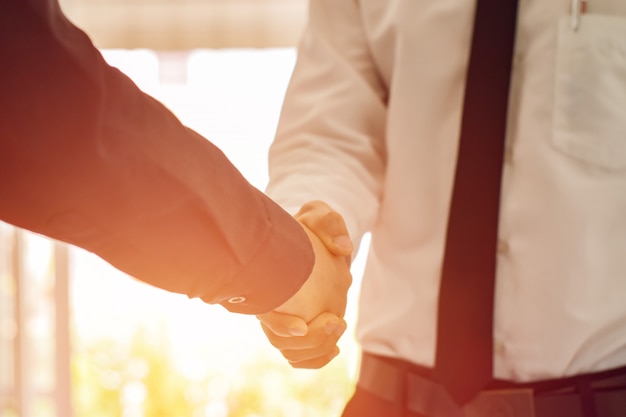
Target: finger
x,y
325,329
328,225
310,341
304,355
318,362
324,346
284,325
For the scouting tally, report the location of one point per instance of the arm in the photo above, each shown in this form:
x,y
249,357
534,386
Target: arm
x,y
87,158
330,142
329,146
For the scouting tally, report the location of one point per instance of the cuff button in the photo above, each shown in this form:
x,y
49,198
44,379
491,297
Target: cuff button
x,y
236,300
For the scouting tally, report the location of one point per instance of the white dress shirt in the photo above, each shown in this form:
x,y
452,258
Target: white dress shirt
x,y
371,124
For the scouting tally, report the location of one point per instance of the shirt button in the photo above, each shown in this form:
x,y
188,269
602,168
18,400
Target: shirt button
x,y
236,300
503,247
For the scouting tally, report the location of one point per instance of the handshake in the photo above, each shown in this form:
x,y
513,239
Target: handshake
x,y
306,328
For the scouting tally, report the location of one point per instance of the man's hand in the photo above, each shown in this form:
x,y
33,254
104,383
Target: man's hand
x,y
329,226
311,346
307,327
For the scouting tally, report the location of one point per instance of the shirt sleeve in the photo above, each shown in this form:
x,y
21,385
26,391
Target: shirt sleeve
x,y
330,140
87,158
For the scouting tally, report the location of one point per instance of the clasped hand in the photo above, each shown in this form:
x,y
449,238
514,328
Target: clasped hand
x,y
306,328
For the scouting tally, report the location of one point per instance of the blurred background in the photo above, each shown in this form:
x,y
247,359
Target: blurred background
x,y
79,338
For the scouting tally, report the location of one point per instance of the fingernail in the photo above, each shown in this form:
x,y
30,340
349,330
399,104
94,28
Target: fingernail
x,y
298,330
343,242
330,327
340,329
334,327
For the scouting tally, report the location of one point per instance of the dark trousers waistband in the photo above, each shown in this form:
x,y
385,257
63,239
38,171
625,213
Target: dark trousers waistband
x,y
592,395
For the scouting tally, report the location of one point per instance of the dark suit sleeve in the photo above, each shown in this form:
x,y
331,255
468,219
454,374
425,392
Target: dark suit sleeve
x,y
87,158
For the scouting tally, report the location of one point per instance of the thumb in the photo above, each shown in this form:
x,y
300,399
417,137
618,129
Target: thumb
x,y
327,225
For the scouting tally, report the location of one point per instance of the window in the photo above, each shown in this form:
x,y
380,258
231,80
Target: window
x,y
189,24
34,326
137,351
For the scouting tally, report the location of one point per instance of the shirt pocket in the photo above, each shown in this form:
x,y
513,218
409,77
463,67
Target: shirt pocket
x,y
590,91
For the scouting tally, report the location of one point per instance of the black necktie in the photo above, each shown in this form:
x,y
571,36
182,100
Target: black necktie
x,y
464,355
